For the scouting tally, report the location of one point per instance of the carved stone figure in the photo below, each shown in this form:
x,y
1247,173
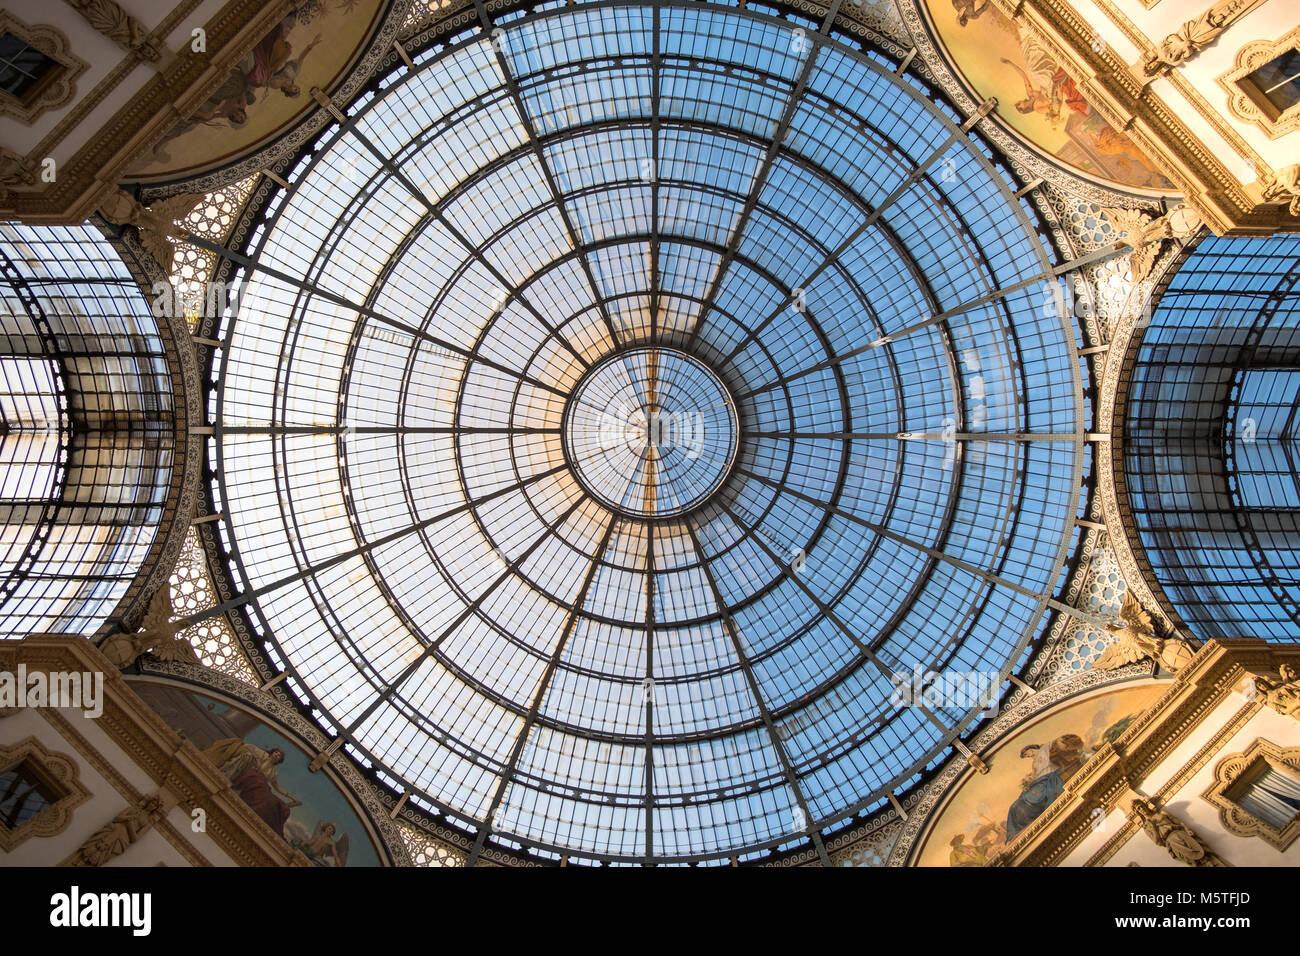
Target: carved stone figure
x,y
157,638
1145,237
1135,639
155,224
114,837
1194,36
1282,696
15,170
1168,831
1282,187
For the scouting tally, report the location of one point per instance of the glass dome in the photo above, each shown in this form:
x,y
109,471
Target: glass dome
x,y
618,400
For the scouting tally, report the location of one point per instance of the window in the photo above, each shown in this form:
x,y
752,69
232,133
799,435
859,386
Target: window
x,y
24,70
1269,793
23,794
39,790
1263,85
1257,792
1275,86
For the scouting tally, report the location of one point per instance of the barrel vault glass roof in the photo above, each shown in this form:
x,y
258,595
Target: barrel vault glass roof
x,y
403,519
1210,459
86,454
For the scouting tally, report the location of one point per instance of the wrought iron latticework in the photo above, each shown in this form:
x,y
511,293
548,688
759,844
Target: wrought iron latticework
x,y
617,401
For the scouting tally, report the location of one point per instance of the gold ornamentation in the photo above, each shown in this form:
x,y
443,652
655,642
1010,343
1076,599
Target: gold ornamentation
x,y
1145,238
113,838
60,87
59,772
1241,104
15,170
1168,831
150,745
1282,188
1135,639
1201,173
155,224
1195,35
1228,774
119,26
1282,696
147,115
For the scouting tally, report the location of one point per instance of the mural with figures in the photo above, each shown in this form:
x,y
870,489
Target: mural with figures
x,y
1036,97
268,90
1027,772
270,773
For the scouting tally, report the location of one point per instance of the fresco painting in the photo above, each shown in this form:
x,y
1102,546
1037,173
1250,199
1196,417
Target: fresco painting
x,y
268,90
270,774
1027,772
1036,97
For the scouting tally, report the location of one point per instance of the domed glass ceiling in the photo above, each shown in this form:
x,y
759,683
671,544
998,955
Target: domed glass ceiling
x,y
618,399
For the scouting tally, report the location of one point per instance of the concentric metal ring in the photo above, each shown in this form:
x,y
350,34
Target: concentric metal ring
x,y
651,432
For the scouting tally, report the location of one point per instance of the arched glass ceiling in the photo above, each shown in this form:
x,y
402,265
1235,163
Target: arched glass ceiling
x,y
549,669
1211,435
86,444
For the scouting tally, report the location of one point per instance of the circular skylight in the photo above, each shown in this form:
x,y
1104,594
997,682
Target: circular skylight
x,y
621,402
650,432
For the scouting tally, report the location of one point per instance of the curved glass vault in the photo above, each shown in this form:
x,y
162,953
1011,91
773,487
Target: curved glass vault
x,y
1211,439
87,446
846,438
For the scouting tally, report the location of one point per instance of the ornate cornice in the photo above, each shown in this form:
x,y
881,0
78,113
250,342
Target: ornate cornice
x,y
170,761
1128,102
1020,707
1116,772
170,95
288,140
276,708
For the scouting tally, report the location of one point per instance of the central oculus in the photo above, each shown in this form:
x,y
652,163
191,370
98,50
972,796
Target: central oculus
x,y
651,432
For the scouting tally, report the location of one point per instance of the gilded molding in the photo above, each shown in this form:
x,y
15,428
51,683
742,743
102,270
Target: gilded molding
x,y
105,768
1020,707
169,760
117,835
1111,86
1175,783
276,708
1195,35
1171,834
290,138
109,19
1114,774
1189,92
169,96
